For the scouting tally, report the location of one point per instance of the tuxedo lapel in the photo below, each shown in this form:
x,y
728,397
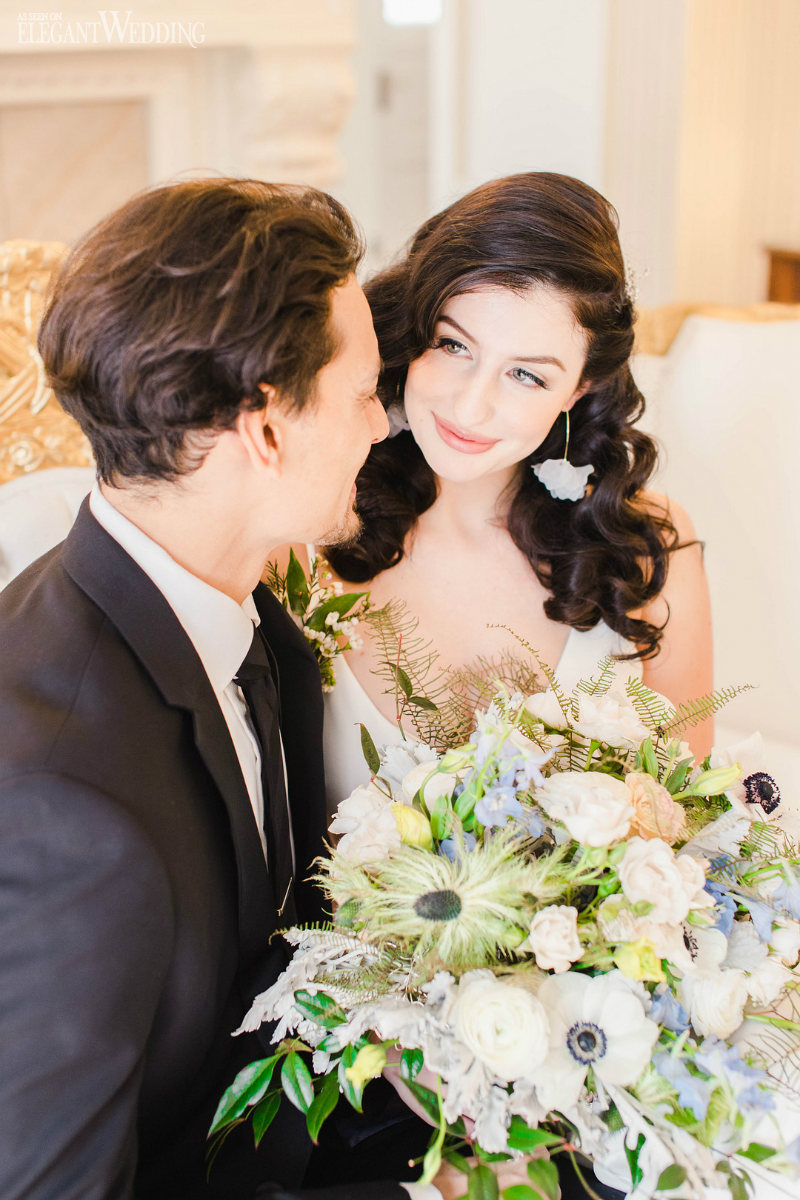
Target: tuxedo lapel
x,y
144,619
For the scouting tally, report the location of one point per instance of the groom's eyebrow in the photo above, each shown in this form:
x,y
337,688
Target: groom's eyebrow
x,y
531,358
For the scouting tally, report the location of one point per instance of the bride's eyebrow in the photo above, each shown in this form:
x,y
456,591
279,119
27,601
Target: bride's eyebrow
x,y
531,358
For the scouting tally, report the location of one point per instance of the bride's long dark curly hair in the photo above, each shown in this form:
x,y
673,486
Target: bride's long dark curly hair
x,y
602,557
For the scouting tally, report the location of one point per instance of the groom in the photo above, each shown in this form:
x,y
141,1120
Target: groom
x,y
212,342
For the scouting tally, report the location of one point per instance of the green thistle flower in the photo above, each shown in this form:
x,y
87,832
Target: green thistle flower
x,y
467,911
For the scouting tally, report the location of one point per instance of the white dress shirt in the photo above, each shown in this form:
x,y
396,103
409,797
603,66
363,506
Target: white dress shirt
x,y
219,629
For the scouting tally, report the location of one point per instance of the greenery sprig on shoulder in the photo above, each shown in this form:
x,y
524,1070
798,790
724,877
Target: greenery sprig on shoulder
x,y
327,615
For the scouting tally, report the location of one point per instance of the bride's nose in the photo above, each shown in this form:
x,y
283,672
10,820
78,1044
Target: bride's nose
x,y
472,402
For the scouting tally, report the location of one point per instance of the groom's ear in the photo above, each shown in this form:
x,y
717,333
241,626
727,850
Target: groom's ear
x,y
261,431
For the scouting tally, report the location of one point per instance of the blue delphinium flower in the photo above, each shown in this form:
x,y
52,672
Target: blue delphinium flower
x,y
536,825
717,1058
762,915
451,847
497,805
693,1092
667,1010
725,907
787,895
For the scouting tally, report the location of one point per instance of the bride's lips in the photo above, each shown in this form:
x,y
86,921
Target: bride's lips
x,y
460,440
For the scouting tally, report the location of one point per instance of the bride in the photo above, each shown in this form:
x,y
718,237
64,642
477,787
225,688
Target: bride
x,y
506,333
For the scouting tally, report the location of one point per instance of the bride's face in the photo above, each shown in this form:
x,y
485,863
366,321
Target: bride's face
x,y
502,367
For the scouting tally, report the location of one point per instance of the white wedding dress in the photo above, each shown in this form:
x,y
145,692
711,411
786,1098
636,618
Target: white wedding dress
x,y
348,705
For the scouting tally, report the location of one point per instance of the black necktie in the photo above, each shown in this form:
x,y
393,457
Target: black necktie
x,y
256,677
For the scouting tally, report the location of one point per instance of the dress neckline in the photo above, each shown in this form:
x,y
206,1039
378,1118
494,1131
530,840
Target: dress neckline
x,y
341,663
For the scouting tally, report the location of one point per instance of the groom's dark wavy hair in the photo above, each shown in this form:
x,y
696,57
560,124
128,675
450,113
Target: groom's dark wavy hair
x,y
169,313
603,557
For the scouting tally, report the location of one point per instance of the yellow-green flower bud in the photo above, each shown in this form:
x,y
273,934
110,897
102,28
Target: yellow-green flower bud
x,y
638,960
714,782
413,826
368,1063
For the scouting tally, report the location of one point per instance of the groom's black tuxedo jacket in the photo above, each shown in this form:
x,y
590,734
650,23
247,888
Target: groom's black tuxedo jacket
x,y
135,905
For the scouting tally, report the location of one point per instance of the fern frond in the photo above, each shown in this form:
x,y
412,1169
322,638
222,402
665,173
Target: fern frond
x,y
600,685
694,711
648,705
565,703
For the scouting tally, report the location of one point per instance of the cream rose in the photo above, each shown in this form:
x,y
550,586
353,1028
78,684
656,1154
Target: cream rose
x,y
545,707
367,825
655,813
554,938
440,783
596,808
651,871
715,1000
612,719
504,1026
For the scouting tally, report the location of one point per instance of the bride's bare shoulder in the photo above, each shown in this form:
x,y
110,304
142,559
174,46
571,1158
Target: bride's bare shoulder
x,y
665,506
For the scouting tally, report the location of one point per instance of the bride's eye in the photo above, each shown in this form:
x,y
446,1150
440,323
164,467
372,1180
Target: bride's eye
x,y
527,377
449,345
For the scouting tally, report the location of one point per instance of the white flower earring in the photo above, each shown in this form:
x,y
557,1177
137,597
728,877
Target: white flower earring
x,y
562,480
398,422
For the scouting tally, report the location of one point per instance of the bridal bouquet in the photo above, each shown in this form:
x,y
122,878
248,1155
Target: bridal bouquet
x,y
570,936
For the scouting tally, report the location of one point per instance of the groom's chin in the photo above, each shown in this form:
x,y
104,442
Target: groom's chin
x,y
345,534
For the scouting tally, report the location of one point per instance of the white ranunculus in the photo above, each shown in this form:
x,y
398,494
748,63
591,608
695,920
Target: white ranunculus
x,y
596,808
785,941
554,938
651,871
504,1025
357,807
440,783
715,1000
611,718
563,480
397,761
367,825
746,951
595,1021
767,981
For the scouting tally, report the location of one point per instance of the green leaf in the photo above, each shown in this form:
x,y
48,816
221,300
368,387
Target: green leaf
x,y
410,1064
247,1089
403,682
543,1174
428,1099
482,1184
370,751
319,1008
670,1178
297,1082
329,1044
432,1161
296,585
352,1094
340,605
522,1137
264,1115
674,781
757,1153
737,1187
519,1191
632,1154
441,818
423,702
465,803
322,1105
646,759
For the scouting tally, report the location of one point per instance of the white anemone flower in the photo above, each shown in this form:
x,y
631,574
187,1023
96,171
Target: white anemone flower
x,y
595,1022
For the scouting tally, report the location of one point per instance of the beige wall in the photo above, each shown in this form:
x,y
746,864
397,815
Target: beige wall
x,y
703,142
